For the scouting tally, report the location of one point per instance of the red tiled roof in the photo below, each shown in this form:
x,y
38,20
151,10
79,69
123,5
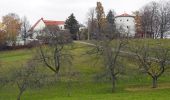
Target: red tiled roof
x,y
124,15
50,22
47,23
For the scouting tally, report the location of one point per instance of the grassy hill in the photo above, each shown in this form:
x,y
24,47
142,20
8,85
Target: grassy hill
x,y
86,83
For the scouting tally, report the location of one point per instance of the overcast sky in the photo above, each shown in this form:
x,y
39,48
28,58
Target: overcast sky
x,y
61,9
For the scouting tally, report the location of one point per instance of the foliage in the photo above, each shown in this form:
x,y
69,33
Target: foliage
x,y
72,24
13,26
100,16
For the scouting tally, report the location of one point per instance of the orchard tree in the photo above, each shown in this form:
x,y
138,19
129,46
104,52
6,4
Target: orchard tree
x,y
13,27
56,52
152,60
73,26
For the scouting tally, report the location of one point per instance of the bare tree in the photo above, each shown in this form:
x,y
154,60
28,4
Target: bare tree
x,y
152,60
25,27
28,76
149,19
56,52
91,22
110,54
164,19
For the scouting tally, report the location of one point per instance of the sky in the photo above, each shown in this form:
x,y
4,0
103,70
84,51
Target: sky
x,y
61,9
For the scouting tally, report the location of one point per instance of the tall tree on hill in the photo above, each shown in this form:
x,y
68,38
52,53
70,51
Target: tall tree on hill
x,y
100,15
111,26
138,25
13,26
149,19
91,23
25,28
164,19
72,24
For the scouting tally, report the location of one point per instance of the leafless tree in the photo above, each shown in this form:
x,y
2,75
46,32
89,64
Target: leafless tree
x,y
155,19
149,19
56,51
110,54
25,27
164,19
28,76
91,23
152,60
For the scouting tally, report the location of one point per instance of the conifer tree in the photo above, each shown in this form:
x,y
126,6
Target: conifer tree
x,y
72,25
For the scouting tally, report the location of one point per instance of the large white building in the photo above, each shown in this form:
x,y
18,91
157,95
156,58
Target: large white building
x,y
125,23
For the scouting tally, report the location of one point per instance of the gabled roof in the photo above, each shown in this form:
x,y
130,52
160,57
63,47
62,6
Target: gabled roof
x,y
47,23
125,15
50,22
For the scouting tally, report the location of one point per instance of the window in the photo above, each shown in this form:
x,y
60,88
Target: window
x,y
127,20
120,20
127,26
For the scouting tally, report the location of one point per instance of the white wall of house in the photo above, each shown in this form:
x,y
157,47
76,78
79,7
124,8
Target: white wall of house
x,y
61,27
41,25
127,23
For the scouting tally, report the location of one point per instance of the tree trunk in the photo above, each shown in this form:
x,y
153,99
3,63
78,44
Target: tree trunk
x,y
162,35
154,82
113,83
19,95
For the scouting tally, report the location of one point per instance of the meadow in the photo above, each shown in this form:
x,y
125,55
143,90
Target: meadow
x,y
87,84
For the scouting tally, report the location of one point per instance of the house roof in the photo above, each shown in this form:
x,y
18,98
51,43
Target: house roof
x,y
47,23
50,22
125,15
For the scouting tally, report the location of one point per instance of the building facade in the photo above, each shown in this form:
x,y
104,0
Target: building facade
x,y
125,24
41,24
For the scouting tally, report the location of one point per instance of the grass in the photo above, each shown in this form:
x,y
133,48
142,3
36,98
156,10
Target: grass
x,y
131,85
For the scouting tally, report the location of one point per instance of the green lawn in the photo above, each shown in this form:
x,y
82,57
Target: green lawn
x,y
131,85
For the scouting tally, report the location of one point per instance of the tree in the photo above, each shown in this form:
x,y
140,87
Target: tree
x,y
149,19
27,77
56,52
91,23
111,26
25,28
100,16
138,24
110,54
152,60
72,24
164,19
104,48
13,26
3,35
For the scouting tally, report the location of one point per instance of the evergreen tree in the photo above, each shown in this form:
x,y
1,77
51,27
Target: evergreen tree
x,y
110,17
111,24
72,24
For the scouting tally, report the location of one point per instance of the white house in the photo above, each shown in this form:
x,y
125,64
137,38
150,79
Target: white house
x,y
125,23
41,24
